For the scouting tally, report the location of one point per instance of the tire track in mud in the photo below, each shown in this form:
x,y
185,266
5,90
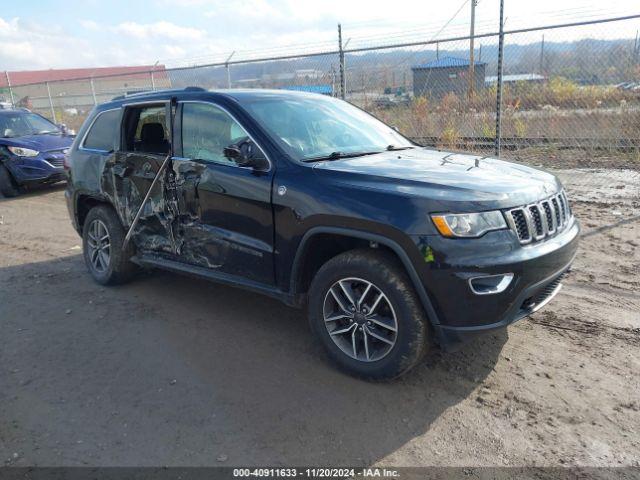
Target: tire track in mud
x,y
571,324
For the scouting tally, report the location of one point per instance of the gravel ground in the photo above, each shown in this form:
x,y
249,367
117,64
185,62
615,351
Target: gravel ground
x,y
170,370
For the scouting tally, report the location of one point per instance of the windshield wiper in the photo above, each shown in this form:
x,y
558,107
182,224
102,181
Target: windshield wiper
x,y
339,155
393,148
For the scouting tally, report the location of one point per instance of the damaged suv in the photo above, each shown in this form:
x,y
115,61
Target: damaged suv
x,y
391,247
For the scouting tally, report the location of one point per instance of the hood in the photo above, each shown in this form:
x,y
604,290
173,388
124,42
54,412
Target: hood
x,y
447,177
41,143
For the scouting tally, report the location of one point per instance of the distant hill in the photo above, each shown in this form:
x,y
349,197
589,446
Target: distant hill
x,y
587,61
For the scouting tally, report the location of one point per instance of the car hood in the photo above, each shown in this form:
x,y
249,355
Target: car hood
x,y
41,143
445,176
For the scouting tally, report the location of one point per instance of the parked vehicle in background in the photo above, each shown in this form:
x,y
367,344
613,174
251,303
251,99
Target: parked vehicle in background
x,y
390,246
32,150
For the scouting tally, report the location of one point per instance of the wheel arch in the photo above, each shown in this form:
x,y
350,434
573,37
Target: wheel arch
x,y
84,202
298,269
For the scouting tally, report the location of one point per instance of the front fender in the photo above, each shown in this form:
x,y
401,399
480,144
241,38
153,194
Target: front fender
x,y
394,245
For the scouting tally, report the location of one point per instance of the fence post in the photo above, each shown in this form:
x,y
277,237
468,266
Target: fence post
x,y
93,92
343,83
13,103
499,84
226,65
53,111
153,83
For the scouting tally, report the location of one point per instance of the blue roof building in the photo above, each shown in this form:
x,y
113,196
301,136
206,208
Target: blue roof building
x,y
446,75
448,62
321,89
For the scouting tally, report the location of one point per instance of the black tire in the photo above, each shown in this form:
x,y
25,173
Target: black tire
x,y
8,188
118,268
412,336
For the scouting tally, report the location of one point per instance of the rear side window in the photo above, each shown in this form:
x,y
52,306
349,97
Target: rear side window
x,y
145,129
102,135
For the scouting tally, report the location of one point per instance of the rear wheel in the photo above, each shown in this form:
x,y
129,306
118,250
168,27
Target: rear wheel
x,y
8,188
103,238
364,310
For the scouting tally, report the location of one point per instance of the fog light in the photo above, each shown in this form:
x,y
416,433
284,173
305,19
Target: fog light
x,y
490,284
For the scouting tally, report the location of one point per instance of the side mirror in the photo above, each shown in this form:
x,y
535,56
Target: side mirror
x,y
232,152
244,156
62,127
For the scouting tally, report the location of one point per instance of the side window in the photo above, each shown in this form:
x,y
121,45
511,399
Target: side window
x,y
102,135
145,130
207,130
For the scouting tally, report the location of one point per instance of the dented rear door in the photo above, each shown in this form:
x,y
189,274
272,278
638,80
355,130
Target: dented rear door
x,y
133,173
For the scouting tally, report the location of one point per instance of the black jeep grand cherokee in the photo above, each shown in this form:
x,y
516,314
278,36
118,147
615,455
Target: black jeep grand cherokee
x,y
390,246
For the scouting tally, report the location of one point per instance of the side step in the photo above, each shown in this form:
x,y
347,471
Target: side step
x,y
156,261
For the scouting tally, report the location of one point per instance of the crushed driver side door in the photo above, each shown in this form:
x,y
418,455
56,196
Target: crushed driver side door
x,y
226,219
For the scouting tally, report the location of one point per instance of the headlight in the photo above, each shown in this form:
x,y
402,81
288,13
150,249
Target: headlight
x,y
23,152
468,225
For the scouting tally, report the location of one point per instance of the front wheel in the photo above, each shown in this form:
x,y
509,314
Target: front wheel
x,y
7,187
103,239
365,312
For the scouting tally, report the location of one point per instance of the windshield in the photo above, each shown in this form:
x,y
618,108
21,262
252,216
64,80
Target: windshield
x,y
19,124
316,127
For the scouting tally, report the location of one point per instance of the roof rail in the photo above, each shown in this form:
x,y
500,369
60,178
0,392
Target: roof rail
x,y
146,92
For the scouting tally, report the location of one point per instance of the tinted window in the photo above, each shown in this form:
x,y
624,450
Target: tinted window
x,y
207,130
103,131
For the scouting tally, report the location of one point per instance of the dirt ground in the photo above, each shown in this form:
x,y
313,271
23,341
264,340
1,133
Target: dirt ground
x,y
170,370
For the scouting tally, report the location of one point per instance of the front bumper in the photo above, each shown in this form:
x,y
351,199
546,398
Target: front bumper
x,y
462,314
529,301
44,168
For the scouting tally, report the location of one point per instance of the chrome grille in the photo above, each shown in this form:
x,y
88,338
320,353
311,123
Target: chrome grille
x,y
538,228
55,158
549,216
56,162
520,225
540,220
556,207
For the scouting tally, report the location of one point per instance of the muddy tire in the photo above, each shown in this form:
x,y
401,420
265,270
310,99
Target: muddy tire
x,y
8,188
365,312
102,241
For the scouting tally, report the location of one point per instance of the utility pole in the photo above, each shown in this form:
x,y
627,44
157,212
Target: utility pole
x,y
472,66
542,56
498,140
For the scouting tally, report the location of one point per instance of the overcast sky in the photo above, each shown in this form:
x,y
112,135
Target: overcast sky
x,y
91,33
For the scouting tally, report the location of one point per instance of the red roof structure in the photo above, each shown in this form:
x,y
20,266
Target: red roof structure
x,y
41,76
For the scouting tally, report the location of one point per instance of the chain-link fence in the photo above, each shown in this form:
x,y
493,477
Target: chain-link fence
x,y
570,94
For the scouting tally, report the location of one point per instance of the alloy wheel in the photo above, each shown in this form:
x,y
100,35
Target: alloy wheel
x,y
360,319
99,245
